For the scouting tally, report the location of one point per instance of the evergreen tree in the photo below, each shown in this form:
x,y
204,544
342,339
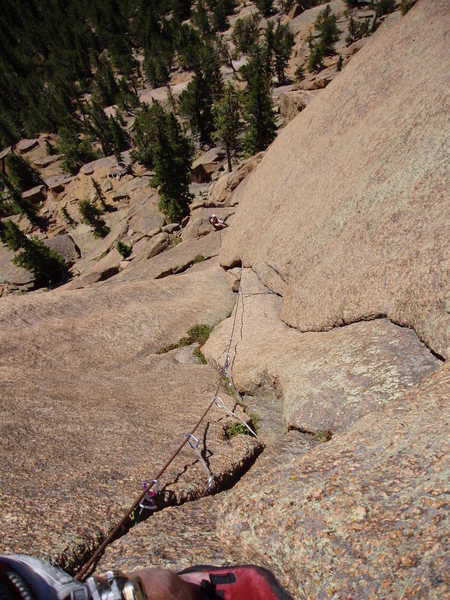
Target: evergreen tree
x,y
384,7
181,9
47,265
107,131
315,59
201,20
105,87
91,215
144,136
197,99
283,41
76,152
20,173
11,201
227,122
258,104
265,7
245,34
187,42
326,25
171,156
220,13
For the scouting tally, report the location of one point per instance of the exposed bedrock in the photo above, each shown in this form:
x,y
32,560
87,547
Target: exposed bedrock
x,y
89,409
362,516
347,215
323,380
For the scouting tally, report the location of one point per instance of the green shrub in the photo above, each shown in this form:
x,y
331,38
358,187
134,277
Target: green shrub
x,y
299,73
406,5
197,333
323,435
199,354
239,429
123,249
200,333
91,215
47,266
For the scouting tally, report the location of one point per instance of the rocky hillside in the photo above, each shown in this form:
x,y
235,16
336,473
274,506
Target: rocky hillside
x,y
331,280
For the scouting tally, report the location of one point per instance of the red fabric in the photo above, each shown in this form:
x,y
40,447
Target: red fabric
x,y
251,583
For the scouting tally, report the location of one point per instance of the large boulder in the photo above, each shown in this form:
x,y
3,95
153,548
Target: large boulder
x,y
347,214
65,246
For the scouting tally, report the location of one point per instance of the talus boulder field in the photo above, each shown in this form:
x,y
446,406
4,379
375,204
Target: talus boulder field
x,y
347,215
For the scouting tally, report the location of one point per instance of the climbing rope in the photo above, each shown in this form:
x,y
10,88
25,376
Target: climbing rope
x,y
145,500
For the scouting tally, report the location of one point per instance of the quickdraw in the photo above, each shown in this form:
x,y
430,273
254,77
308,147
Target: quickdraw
x,y
195,445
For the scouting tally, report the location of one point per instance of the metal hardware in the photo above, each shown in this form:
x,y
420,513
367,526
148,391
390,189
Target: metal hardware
x,y
147,502
196,448
221,404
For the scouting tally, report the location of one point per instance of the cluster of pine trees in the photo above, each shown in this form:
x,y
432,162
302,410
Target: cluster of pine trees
x,y
62,62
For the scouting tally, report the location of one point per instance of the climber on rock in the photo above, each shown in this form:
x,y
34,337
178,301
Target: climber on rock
x,y
217,223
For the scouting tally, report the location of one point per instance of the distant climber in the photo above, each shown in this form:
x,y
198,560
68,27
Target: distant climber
x,y
26,578
217,223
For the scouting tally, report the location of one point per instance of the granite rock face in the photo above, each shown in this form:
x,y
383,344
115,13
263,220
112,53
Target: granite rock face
x,y
347,215
324,380
89,410
182,536
362,516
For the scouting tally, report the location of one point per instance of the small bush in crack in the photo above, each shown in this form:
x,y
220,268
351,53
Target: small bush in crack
x,y
123,249
198,333
239,429
198,259
323,435
199,354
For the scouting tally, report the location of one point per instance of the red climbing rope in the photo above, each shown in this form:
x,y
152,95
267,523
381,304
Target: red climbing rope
x,y
83,573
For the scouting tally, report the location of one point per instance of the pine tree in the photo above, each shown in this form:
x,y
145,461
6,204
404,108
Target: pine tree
x,y
197,99
91,215
171,156
181,9
105,87
326,25
265,7
227,122
245,34
283,41
47,265
20,173
144,136
201,20
258,104
76,152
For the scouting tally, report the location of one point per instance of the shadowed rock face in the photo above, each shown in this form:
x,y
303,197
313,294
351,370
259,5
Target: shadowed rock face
x,y
347,214
363,515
